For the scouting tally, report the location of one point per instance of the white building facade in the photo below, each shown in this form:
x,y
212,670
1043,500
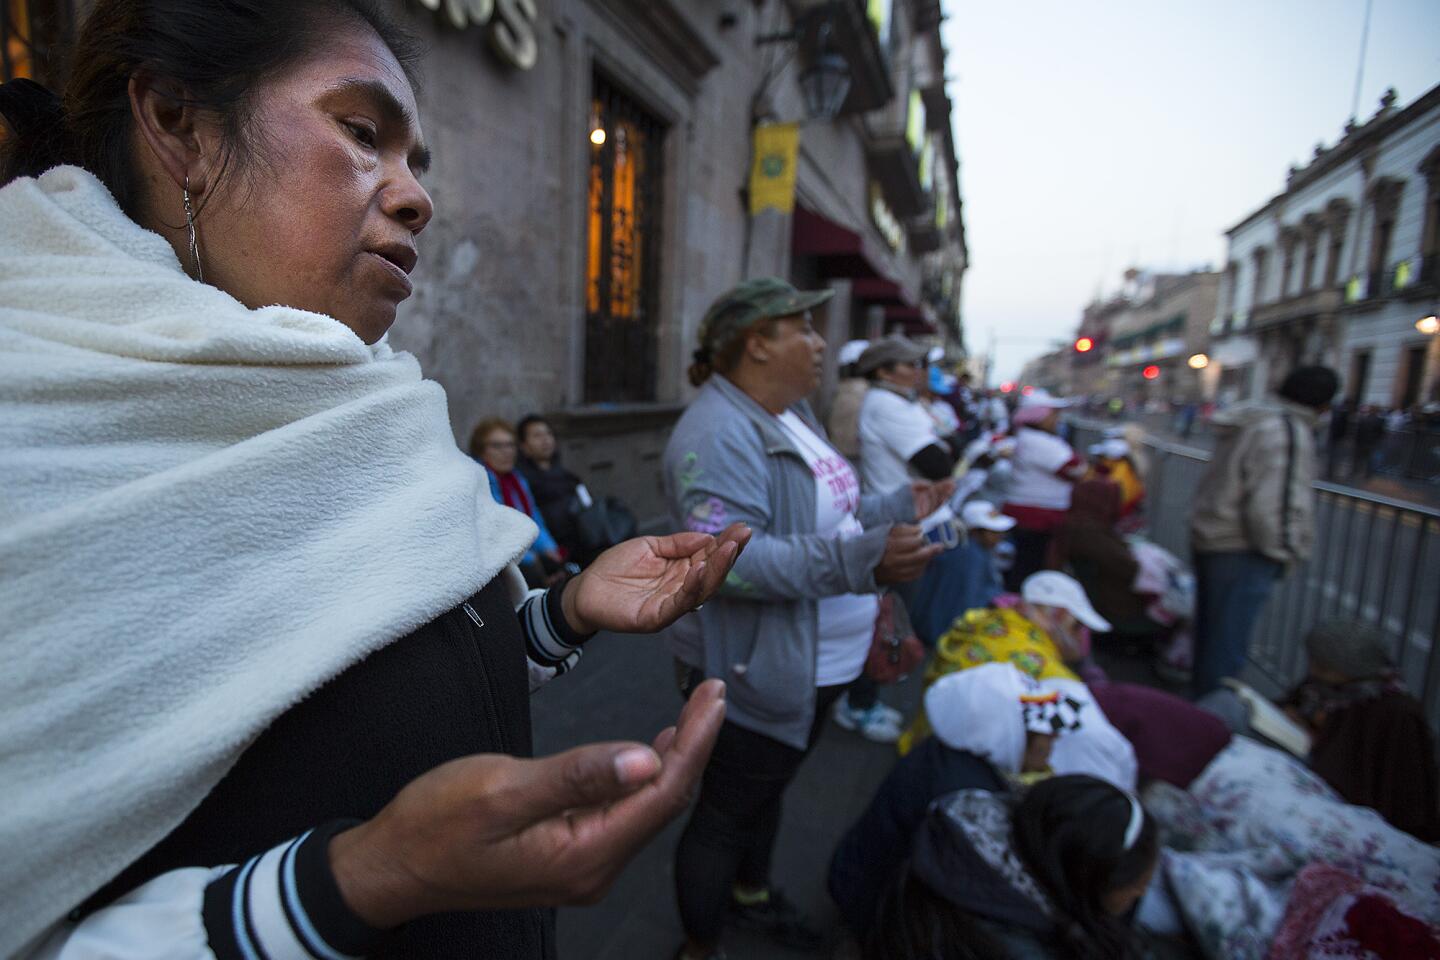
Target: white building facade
x,y
1339,268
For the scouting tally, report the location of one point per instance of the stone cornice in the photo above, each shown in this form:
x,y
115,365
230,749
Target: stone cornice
x,y
667,35
1359,141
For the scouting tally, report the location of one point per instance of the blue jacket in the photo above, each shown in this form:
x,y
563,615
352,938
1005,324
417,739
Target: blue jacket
x,y
956,581
543,542
868,858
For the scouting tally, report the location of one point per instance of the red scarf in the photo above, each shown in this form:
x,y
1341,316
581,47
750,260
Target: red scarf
x,y
512,494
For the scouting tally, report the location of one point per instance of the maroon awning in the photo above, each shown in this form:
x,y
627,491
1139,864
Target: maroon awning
x,y
839,250
878,290
909,319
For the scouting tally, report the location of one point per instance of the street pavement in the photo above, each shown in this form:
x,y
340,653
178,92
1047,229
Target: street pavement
x,y
624,688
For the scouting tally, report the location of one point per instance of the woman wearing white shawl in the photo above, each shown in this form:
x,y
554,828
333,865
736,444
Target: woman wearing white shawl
x,y
250,587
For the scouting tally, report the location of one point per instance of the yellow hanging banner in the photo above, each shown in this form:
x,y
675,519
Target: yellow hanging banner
x,y
772,176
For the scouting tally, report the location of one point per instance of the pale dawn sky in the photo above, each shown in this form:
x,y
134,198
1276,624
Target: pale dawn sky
x,y
1096,135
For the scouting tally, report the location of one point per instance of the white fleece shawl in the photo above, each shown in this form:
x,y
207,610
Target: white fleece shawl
x,y
207,512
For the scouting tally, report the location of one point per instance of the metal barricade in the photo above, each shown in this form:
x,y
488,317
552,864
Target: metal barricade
x,y
1374,559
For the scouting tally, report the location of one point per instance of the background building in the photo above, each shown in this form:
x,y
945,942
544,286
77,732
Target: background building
x,y
1167,322
590,183
1137,345
1339,267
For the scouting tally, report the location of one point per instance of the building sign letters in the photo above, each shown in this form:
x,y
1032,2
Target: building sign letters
x,y
509,25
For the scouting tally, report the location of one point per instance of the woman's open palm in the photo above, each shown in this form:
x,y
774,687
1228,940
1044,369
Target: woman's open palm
x,y
646,584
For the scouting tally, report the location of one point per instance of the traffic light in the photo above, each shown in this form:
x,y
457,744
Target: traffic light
x,y
1151,372
1084,345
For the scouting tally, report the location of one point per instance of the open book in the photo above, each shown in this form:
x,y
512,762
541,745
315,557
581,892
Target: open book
x,y
1269,721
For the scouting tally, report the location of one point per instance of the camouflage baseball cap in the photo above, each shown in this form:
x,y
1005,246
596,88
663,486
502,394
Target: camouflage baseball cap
x,y
742,306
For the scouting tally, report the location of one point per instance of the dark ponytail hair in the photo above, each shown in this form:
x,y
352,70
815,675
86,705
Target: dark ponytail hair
x,y
1069,831
214,53
913,922
707,362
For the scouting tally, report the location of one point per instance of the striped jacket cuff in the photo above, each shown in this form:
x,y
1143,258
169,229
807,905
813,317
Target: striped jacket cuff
x,y
285,905
550,642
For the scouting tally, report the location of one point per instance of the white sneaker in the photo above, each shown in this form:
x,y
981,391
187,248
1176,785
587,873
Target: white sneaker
x,y
896,718
879,723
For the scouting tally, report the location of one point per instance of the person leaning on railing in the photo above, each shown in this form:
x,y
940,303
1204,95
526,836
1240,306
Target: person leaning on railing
x,y
1253,516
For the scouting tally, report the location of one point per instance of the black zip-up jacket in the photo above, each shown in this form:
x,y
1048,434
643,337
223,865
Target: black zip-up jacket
x,y
457,686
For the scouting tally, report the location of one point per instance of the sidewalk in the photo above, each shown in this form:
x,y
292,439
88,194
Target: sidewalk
x,y
624,688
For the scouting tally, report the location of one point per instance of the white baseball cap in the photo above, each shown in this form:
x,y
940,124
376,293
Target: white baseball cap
x,y
1040,397
850,352
935,355
1051,588
979,513
1113,448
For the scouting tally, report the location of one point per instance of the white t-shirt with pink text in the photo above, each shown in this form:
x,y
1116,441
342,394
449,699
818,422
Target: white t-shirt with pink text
x,y
847,622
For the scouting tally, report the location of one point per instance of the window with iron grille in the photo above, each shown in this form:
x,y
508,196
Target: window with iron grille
x,y
622,264
31,35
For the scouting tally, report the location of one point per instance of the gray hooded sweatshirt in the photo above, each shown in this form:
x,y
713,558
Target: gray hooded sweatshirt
x,y
730,460
1258,492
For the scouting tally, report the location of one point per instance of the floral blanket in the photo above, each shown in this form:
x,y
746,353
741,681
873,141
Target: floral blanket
x,y
1334,915
1248,826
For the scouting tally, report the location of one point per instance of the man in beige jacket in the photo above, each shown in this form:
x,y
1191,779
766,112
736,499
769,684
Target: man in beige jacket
x,y
1254,516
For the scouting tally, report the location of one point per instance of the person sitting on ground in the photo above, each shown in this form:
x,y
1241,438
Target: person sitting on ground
x,y
493,444
1045,469
979,755
1113,459
994,728
553,487
1039,633
843,422
1053,874
1174,740
962,579
1369,736
1091,547
898,440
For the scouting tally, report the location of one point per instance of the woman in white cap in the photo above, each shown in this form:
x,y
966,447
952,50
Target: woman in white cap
x,y
1038,633
1045,469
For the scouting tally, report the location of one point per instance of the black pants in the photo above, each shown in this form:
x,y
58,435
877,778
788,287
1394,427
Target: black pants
x,y
863,693
731,834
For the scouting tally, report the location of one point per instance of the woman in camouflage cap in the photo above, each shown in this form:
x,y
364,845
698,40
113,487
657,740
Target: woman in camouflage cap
x,y
793,623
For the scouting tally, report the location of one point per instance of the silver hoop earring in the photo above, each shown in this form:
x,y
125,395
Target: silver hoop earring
x,y
190,227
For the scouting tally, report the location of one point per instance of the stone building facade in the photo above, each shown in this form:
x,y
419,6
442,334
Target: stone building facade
x,y
590,173
1137,345
1339,267
1148,353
